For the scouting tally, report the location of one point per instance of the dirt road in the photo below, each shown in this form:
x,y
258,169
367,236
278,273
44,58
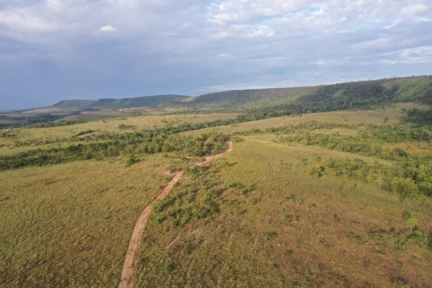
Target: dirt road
x,y
127,278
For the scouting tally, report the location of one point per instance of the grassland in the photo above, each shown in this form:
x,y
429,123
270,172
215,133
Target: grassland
x,y
25,139
335,199
276,226
69,225
389,115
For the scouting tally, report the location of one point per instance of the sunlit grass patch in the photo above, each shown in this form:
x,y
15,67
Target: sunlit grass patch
x,y
69,224
290,229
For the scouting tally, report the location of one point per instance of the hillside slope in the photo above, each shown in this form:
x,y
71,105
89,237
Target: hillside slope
x,y
137,102
144,101
350,95
324,98
74,104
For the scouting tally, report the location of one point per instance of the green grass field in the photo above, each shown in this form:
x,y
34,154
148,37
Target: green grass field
x,y
69,225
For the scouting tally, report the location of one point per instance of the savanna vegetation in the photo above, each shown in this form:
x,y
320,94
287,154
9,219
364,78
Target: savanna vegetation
x,y
132,145
68,225
327,186
257,220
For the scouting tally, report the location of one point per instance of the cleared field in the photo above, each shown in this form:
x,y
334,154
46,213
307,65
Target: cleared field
x,y
273,225
69,225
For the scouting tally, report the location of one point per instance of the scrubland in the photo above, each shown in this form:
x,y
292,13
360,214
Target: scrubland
x,y
271,224
24,139
334,199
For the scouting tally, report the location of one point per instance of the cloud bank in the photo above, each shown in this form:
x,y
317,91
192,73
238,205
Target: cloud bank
x,y
52,50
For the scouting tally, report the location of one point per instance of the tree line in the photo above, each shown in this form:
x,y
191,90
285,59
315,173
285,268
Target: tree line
x,y
202,145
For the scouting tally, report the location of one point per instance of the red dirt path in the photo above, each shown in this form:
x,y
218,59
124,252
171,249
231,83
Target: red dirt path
x,y
127,278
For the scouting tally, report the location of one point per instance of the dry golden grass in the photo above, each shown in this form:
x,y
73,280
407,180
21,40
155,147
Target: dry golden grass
x,y
69,225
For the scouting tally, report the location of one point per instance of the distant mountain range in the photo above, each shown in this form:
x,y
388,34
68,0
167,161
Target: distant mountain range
x,y
359,94
266,102
343,95
145,101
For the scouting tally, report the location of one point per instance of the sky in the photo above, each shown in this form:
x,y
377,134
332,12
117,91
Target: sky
x,y
51,50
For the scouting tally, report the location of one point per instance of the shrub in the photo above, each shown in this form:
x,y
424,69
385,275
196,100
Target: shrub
x,y
170,268
268,236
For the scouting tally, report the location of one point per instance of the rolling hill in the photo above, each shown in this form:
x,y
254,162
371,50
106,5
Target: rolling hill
x,y
74,104
361,94
144,101
343,95
265,102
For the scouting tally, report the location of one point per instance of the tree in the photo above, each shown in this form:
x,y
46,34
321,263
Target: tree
x,y
404,187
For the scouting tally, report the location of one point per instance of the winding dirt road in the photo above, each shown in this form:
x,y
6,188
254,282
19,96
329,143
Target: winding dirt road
x,y
127,278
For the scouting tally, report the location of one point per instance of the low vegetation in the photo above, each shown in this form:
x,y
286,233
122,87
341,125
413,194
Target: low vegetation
x,y
257,220
328,199
69,225
128,144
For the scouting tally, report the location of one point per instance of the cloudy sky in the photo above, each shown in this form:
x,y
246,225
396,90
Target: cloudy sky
x,y
88,49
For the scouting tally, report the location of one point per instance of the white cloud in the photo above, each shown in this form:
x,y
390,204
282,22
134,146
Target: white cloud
x,y
414,9
108,28
263,60
23,19
415,55
330,62
225,56
388,62
374,43
217,42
